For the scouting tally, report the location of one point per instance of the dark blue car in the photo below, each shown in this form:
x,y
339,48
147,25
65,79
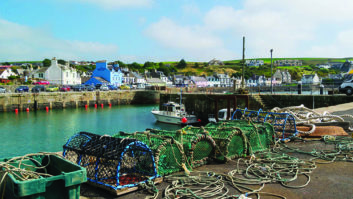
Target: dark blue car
x,y
112,87
21,89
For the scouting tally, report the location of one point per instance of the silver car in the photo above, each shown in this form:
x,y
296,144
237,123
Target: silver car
x,y
104,88
2,90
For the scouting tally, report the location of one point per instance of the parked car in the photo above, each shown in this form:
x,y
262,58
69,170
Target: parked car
x,y
112,87
124,87
98,86
52,88
65,88
90,88
21,89
42,82
104,88
2,90
78,88
37,89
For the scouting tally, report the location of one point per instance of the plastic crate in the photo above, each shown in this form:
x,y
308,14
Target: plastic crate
x,y
65,181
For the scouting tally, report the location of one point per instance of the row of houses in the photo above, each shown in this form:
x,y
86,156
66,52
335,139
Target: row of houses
x,y
105,73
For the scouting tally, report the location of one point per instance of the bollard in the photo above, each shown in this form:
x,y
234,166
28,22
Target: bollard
x,y
47,108
102,105
299,88
95,105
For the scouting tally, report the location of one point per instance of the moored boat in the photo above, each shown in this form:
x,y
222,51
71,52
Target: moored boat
x,y
174,113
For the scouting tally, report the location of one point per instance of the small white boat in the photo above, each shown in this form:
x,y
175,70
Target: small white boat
x,y
222,115
173,113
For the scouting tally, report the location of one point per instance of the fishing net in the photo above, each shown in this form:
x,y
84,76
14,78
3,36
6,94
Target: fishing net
x,y
198,147
168,153
113,163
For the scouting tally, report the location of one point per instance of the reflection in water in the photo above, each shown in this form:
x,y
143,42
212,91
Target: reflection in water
x,y
31,132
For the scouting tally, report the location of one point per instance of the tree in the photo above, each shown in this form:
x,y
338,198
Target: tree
x,y
121,64
196,65
46,62
62,62
181,64
6,63
148,65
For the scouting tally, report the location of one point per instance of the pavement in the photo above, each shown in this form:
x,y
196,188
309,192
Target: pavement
x,y
334,180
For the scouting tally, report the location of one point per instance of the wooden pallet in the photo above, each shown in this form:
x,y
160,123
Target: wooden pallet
x,y
122,191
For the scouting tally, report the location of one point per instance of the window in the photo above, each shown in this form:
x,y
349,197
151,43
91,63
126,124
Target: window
x,y
67,74
41,75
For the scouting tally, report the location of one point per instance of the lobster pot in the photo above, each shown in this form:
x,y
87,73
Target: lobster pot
x,y
231,142
283,123
111,163
168,153
259,136
198,147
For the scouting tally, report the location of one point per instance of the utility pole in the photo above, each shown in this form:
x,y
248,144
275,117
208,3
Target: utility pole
x,y
271,72
243,72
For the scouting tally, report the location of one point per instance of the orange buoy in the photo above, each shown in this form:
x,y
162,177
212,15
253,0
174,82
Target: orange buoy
x,y
110,105
102,105
47,108
16,110
27,109
95,105
86,106
184,120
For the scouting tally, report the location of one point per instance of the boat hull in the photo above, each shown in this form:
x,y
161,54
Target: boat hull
x,y
170,119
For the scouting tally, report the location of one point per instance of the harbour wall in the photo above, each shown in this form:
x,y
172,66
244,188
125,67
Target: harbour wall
x,y
59,100
204,104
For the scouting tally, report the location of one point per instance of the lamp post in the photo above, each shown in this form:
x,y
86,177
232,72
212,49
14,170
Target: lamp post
x,y
271,72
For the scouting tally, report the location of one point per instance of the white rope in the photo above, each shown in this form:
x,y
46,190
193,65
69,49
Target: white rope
x,y
307,117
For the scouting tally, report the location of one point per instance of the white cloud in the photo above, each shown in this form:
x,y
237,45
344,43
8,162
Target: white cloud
x,y
342,46
192,41
115,4
292,28
18,42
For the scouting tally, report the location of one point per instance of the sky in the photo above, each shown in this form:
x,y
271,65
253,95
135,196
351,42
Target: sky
x,y
171,30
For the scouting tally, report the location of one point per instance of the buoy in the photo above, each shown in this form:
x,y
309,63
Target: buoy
x,y
16,110
110,105
86,106
27,109
95,105
184,120
47,108
102,105
199,120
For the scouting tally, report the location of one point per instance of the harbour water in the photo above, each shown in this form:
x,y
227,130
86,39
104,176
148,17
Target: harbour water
x,y
32,132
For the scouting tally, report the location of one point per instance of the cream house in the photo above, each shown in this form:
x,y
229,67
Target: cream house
x,y
58,74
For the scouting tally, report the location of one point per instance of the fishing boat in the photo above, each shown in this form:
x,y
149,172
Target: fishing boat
x,y
174,113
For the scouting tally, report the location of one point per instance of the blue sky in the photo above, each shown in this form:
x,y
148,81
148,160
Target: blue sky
x,y
169,30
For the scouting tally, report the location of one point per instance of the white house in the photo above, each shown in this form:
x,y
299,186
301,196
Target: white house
x,y
254,62
58,74
311,79
5,73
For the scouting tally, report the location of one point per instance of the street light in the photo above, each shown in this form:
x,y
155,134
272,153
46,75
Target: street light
x,y
271,72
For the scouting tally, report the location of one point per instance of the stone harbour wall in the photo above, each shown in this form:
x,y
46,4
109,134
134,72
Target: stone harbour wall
x,y
58,100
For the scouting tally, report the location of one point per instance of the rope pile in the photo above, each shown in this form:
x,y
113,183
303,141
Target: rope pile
x,y
307,117
343,150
